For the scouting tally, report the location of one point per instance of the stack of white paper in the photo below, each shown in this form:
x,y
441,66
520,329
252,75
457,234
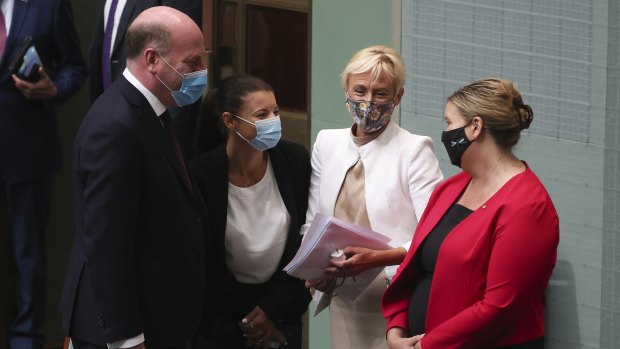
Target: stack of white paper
x,y
328,234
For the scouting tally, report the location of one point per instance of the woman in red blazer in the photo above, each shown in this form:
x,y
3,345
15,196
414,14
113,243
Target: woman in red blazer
x,y
485,248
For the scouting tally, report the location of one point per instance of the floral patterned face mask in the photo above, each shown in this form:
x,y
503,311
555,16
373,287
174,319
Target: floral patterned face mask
x,y
370,116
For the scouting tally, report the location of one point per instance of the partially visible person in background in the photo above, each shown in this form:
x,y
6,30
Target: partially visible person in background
x,y
478,269
30,149
256,190
108,56
209,132
374,174
136,277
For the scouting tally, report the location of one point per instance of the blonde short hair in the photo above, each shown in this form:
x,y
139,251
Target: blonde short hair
x,y
499,104
376,59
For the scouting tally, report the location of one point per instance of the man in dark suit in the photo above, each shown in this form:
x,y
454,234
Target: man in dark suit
x,y
107,53
30,149
136,277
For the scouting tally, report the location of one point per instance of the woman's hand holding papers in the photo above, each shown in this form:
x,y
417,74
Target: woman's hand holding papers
x,y
360,259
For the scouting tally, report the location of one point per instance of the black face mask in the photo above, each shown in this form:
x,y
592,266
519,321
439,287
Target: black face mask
x,y
455,142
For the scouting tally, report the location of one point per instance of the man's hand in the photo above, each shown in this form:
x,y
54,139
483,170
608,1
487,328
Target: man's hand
x,y
41,90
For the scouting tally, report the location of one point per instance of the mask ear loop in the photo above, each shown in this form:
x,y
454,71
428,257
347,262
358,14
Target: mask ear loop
x,y
249,122
163,83
165,61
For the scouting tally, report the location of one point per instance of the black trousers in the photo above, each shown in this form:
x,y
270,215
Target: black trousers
x,y
235,340
538,343
78,344
27,208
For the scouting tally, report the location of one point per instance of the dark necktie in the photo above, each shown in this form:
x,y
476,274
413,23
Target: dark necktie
x,y
107,43
167,121
2,33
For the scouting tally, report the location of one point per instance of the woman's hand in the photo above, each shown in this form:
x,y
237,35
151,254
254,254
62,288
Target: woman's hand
x,y
260,330
360,259
397,339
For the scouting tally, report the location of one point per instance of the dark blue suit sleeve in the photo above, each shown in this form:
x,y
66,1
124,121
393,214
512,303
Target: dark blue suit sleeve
x,y
108,168
70,69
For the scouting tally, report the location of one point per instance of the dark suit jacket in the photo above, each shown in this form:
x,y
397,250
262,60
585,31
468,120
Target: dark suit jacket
x,y
489,283
133,8
283,298
29,138
137,264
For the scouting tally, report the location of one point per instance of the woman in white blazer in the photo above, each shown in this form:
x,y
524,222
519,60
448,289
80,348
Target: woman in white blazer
x,y
373,174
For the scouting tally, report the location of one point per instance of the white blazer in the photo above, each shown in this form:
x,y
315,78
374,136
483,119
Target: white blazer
x,y
400,171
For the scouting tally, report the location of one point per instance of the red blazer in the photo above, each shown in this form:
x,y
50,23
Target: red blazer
x,y
492,270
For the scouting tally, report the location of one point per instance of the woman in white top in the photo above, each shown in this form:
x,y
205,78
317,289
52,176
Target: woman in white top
x,y
255,187
373,174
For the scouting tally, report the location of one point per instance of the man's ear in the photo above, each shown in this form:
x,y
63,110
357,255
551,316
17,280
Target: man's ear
x,y
151,59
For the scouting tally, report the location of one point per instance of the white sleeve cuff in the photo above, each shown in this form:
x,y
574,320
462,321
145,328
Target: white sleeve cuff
x,y
127,343
390,271
406,245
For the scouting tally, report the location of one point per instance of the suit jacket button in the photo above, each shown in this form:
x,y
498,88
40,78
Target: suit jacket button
x,y
198,220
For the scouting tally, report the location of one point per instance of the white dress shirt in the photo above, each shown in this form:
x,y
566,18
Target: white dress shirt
x,y
256,229
7,10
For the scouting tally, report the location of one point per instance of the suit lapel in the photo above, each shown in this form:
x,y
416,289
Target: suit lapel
x,y
152,124
442,202
155,128
283,181
217,196
282,175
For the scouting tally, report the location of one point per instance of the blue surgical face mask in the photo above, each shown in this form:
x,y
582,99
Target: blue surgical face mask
x,y
268,133
193,86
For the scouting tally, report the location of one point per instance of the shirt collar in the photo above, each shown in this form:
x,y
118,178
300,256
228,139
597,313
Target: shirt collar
x,y
155,103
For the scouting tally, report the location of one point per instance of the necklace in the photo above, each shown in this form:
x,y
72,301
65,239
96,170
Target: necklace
x,y
249,177
242,181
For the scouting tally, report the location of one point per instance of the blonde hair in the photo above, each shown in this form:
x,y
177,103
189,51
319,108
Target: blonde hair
x,y
376,59
499,104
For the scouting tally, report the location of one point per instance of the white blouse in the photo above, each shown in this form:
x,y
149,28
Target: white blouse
x,y
256,229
